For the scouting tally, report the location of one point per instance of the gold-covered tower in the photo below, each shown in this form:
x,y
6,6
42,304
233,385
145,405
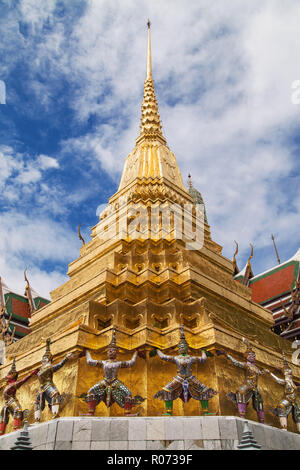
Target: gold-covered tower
x,y
146,286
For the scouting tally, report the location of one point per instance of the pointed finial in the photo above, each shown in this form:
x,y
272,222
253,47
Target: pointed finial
x,y
236,249
251,254
48,354
278,259
182,342
190,183
149,66
25,277
13,370
248,441
150,127
235,266
28,294
80,236
113,343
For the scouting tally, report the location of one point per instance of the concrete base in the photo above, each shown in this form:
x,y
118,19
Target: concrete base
x,y
151,433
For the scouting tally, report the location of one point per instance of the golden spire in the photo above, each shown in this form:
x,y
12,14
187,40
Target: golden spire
x,y
151,158
150,120
149,65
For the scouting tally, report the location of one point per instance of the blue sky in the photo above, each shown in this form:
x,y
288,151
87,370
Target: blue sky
x,y
74,73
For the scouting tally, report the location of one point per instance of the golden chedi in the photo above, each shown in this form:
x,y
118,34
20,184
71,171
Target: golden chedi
x,y
142,275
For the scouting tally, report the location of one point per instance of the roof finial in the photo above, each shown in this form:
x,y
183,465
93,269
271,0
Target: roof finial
x,y
190,183
278,259
248,272
80,236
235,266
149,67
28,294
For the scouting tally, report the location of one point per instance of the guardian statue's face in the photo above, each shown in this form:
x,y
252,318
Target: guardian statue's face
x,y
183,349
111,353
251,357
46,361
11,378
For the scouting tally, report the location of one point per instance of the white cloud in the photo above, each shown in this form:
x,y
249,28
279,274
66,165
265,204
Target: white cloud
x,y
46,162
27,241
29,175
19,170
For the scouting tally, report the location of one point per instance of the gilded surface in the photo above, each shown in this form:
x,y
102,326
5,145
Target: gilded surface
x,y
147,289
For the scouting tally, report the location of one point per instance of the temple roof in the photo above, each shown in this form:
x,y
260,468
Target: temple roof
x,y
296,257
276,281
18,307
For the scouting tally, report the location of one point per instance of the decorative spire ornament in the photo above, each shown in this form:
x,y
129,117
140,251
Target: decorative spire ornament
x,y
248,272
23,440
150,127
80,236
248,442
48,354
113,343
13,371
151,158
183,342
149,64
278,259
235,266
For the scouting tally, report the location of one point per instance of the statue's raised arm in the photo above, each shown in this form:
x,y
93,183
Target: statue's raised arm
x,y
131,362
92,362
165,357
200,359
60,364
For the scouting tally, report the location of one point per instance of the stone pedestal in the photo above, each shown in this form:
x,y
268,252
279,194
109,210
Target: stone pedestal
x,y
158,433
